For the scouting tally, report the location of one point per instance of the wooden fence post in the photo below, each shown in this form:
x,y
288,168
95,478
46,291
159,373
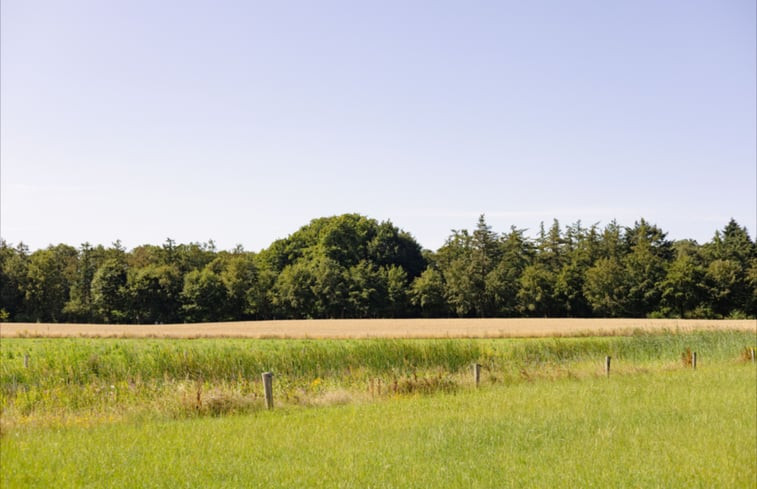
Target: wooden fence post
x,y
752,354
268,389
476,373
694,360
26,360
607,365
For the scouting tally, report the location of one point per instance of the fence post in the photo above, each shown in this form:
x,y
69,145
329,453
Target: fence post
x,y
694,360
476,373
607,365
752,353
268,389
26,360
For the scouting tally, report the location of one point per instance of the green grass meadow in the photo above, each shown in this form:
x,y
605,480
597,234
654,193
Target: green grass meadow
x,y
123,413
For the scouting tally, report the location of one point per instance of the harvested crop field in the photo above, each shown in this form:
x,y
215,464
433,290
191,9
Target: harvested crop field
x,y
377,328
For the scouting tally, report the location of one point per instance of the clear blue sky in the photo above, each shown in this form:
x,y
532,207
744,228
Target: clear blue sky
x,y
241,121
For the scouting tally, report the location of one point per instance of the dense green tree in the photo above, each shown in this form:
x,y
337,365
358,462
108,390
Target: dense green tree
x,y
729,258
49,276
454,261
366,292
155,294
189,257
726,285
109,293
605,288
644,271
568,290
467,262
293,292
732,243
79,307
204,297
391,247
648,235
751,296
330,288
145,255
398,301
681,289
503,281
581,250
345,239
427,293
461,288
14,264
551,247
342,266
612,244
246,295
536,293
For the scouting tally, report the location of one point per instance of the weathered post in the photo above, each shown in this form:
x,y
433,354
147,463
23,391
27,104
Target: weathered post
x,y
26,360
607,365
268,389
752,354
476,373
694,360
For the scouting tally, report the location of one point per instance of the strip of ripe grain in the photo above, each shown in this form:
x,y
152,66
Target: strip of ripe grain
x,y
377,328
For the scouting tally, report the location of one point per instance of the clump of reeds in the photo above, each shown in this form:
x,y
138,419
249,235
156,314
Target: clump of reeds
x,y
335,397
217,401
748,354
413,384
687,358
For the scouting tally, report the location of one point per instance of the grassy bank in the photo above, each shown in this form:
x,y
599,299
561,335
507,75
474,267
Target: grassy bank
x,y
668,428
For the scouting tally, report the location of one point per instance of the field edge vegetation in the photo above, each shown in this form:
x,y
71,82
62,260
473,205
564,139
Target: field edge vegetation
x,y
49,382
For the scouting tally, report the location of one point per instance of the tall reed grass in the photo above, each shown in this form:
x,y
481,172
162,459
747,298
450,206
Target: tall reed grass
x,y
105,375
81,361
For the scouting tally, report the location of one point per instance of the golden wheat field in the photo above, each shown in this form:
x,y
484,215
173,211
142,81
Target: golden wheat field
x,y
376,328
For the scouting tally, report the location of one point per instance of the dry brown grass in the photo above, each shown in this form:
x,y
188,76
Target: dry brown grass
x,y
375,328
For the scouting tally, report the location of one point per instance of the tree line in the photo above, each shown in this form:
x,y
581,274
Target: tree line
x,y
350,266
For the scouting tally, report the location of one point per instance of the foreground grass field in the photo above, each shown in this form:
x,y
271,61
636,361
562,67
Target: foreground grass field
x,y
79,412
675,428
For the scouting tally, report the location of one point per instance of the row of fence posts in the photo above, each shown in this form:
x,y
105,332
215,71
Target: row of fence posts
x,y
268,376
608,359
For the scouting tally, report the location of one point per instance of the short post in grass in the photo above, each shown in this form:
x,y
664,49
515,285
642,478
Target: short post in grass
x,y
607,365
751,352
694,360
268,389
476,374
26,360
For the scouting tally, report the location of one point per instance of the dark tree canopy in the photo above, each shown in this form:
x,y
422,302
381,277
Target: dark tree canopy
x,y
351,266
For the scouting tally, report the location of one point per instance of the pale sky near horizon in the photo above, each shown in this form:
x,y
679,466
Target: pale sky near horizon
x,y
240,121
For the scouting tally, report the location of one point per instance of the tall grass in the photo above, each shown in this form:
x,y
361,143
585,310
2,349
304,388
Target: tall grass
x,y
104,375
80,361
